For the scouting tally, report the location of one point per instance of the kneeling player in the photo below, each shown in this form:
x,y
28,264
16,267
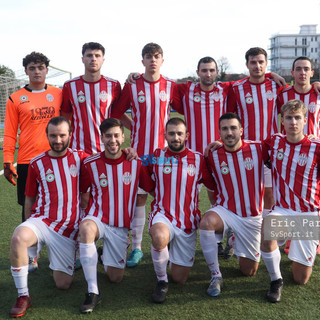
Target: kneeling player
x,y
52,205
114,184
237,168
294,164
175,214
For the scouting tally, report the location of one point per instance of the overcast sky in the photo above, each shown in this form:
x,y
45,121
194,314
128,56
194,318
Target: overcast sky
x,y
186,30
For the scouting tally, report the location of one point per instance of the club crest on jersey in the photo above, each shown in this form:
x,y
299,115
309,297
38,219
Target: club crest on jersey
x,y
248,163
103,181
312,107
302,159
269,95
73,170
197,97
191,170
167,170
141,97
49,175
224,168
216,96
81,97
163,95
126,178
103,96
50,97
23,98
249,98
280,154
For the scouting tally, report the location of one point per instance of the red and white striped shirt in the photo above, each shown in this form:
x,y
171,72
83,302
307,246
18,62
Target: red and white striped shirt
x,y
295,173
114,185
90,104
239,176
55,183
150,107
256,106
177,176
202,110
311,100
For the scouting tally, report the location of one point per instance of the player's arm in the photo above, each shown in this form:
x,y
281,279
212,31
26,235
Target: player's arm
x,y
131,153
132,77
316,87
145,180
178,93
280,81
211,147
66,108
28,204
11,123
123,104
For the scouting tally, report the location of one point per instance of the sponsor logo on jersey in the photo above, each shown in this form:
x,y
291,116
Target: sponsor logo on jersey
x,y
249,98
103,181
103,96
126,178
163,95
167,170
270,96
73,170
191,170
23,98
50,97
224,168
302,159
248,163
141,97
312,107
280,154
197,97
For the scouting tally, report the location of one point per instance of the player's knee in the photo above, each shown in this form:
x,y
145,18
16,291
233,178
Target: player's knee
x,y
87,231
248,272
159,240
18,240
62,284
300,279
208,222
115,278
179,279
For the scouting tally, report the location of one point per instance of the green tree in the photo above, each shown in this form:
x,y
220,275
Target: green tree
x,y
6,72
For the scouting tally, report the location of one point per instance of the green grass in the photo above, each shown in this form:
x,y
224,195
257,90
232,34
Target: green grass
x,y
241,298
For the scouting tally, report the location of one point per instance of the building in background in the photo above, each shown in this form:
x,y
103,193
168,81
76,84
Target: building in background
x,y
284,48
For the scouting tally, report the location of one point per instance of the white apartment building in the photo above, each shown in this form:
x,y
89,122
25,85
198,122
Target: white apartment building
x,y
285,48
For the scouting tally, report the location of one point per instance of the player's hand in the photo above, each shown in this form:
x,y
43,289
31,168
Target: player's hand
x,y
316,87
278,79
211,147
10,173
132,77
131,154
312,136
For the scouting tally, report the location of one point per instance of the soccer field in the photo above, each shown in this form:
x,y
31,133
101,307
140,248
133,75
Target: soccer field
x,y
241,297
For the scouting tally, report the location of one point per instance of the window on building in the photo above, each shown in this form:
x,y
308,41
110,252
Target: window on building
x,y
304,41
311,38
295,41
311,49
316,39
316,50
304,51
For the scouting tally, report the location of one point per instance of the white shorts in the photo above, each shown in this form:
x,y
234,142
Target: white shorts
x,y
267,177
115,243
141,191
301,251
61,250
247,232
182,245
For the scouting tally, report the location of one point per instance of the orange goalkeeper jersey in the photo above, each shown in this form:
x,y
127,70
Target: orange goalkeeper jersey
x,y
30,111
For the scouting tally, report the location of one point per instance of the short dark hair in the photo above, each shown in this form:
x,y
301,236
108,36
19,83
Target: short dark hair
x,y
93,46
301,58
229,116
151,48
206,60
175,122
35,57
255,51
106,124
293,106
56,121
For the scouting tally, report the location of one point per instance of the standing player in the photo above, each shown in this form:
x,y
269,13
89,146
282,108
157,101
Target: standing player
x,y
237,168
149,99
175,214
29,109
114,185
303,90
52,212
88,99
295,172
254,100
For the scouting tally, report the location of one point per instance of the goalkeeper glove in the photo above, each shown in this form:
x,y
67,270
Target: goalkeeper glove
x,y
10,173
